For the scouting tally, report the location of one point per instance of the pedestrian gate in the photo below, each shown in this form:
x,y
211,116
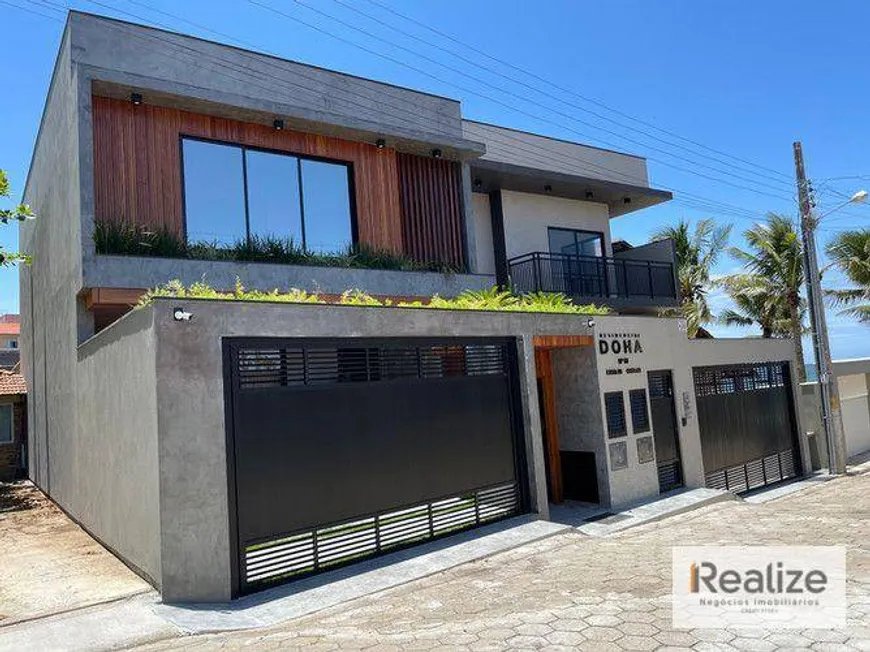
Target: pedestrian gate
x,y
344,449
747,424
665,431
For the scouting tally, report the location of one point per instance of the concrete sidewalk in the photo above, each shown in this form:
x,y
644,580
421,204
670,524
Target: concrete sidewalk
x,y
144,619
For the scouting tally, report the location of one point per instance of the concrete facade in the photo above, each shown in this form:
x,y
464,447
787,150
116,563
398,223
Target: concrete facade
x,y
127,426
180,463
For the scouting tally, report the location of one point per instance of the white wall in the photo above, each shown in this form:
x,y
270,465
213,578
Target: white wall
x,y
665,346
855,408
483,243
527,217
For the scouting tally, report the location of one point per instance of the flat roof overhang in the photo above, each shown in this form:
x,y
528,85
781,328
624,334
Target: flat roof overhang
x,y
492,175
109,84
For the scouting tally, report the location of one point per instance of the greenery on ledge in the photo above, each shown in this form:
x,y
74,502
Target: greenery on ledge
x,y
124,239
491,299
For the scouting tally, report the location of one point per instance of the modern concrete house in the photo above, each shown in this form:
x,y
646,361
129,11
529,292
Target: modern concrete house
x,y
221,447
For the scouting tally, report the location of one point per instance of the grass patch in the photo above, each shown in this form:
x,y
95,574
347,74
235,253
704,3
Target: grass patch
x,y
125,239
491,299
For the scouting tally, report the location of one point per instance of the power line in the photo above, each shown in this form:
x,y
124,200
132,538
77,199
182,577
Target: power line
x,y
490,98
535,89
198,56
569,91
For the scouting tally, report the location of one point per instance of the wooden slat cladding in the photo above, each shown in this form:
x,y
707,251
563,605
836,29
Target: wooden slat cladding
x,y
430,191
137,166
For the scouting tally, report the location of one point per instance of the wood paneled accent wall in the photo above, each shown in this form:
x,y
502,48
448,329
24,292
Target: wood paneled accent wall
x,y
137,166
431,209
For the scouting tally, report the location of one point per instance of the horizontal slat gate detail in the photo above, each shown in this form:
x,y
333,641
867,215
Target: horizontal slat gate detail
x,y
346,449
335,545
748,431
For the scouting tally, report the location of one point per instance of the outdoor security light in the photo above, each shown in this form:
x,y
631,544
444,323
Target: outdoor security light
x,y
136,98
380,143
278,124
436,153
180,314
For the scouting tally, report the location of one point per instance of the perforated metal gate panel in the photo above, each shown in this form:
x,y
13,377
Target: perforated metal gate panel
x,y
748,429
345,449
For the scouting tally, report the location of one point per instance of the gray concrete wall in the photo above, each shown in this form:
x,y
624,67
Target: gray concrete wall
x,y
177,65
581,425
114,451
121,271
195,553
540,152
49,286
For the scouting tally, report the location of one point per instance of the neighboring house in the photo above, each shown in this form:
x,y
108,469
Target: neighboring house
x,y
10,341
853,381
220,447
13,425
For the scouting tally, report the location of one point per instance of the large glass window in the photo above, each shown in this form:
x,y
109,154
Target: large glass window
x,y
5,423
326,201
233,193
273,195
575,243
214,194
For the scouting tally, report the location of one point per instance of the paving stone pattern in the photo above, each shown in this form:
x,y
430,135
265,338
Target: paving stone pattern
x,y
574,592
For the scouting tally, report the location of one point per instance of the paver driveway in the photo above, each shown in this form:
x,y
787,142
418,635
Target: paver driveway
x,y
575,592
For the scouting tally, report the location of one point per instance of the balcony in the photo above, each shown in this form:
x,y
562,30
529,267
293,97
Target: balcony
x,y
617,282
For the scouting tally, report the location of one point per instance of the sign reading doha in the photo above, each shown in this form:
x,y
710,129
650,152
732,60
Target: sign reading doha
x,y
622,345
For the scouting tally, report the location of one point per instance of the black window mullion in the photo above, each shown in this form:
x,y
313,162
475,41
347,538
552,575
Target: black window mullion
x,y
245,188
301,201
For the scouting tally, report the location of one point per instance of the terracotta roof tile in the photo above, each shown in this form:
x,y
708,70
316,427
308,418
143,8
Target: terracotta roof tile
x,y
11,383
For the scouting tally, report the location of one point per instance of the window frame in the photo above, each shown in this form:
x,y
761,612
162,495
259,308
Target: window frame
x,y
646,426
574,232
11,440
624,419
349,166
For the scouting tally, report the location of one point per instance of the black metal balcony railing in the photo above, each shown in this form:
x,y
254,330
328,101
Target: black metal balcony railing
x,y
592,276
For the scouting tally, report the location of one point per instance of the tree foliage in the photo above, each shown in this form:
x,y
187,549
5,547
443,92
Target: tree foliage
x,y
850,252
769,291
697,251
19,212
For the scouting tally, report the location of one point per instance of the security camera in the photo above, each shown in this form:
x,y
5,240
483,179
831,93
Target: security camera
x,y
180,314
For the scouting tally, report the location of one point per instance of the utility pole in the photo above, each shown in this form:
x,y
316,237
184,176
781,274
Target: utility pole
x,y
829,393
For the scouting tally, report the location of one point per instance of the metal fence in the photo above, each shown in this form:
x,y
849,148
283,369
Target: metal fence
x,y
592,276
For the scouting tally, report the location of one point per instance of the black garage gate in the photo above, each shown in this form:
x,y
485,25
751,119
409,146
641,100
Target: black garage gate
x,y
747,423
343,449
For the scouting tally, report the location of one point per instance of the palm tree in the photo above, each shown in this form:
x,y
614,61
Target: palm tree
x,y
850,251
697,251
775,254
755,300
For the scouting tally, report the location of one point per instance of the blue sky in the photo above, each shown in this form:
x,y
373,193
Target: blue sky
x,y
745,83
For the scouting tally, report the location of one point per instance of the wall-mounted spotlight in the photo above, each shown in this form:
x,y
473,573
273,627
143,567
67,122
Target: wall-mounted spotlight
x,y
626,200
436,153
590,323
589,194
136,98
278,124
180,314
548,188
380,143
